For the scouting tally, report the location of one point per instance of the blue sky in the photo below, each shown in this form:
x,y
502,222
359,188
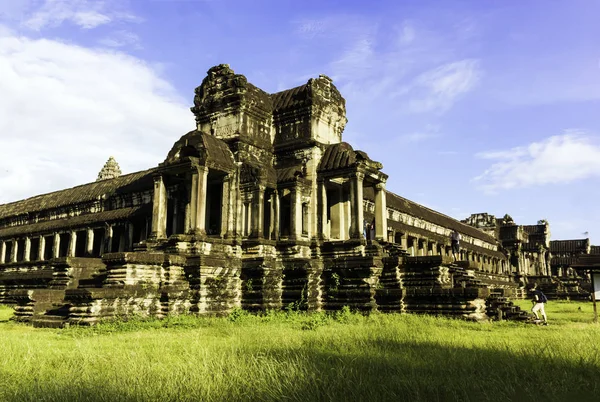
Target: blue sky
x,y
471,106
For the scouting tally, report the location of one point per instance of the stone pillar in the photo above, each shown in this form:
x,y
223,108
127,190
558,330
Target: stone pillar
x,y
380,212
56,245
404,241
296,214
322,210
89,242
108,238
277,215
201,200
247,216
272,217
226,209
258,213
193,206
72,242
2,252
27,249
159,209
42,248
356,204
15,250
129,237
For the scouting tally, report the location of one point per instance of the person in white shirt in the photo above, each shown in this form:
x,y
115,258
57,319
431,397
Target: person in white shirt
x,y
455,237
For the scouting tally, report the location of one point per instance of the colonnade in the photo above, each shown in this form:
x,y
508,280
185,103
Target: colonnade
x,y
74,243
420,246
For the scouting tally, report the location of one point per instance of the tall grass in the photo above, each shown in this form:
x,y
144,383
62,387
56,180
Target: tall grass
x,y
296,357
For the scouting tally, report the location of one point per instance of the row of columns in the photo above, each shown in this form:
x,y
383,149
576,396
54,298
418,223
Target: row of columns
x,y
357,210
56,243
196,210
422,247
251,212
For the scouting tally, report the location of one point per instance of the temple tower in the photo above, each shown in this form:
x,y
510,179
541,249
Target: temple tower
x,y
110,170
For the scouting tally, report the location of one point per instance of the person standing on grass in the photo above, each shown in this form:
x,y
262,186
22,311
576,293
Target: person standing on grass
x,y
455,238
539,298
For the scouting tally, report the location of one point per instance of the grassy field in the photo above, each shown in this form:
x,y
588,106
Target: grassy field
x,y
295,357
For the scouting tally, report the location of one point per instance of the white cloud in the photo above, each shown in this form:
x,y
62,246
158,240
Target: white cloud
x,y
86,14
121,39
410,66
442,86
65,109
407,33
556,160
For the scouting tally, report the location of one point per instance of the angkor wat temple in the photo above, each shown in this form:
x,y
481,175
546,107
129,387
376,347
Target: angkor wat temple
x,y
263,206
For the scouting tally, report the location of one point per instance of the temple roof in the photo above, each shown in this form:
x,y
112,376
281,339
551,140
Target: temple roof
x,y
535,229
73,222
290,98
569,246
412,208
289,173
342,156
208,148
79,194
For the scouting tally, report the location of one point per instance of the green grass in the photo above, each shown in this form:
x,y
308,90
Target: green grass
x,y
295,357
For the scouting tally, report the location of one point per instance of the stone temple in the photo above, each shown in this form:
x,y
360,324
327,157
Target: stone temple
x,y
263,206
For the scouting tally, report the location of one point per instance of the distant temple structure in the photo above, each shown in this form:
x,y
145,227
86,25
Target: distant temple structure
x,y
263,206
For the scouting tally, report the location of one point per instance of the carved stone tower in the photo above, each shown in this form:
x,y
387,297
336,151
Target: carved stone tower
x,y
110,170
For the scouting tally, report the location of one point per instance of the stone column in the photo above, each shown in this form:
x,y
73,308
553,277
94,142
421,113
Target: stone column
x,y
380,212
56,245
238,205
27,249
356,204
272,217
129,237
277,214
226,217
15,250
108,238
201,200
296,214
247,215
42,248
193,206
258,213
2,252
404,241
89,243
72,243
322,204
159,209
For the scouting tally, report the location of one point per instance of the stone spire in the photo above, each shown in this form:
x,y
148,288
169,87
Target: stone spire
x,y
110,170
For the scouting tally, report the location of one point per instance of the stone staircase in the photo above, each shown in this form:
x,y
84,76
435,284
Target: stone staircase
x,y
500,308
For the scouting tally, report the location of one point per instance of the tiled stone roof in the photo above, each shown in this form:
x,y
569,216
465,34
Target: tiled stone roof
x,y
290,98
211,150
73,222
412,208
79,194
569,246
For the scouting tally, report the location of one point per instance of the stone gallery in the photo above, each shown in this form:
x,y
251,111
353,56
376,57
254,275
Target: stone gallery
x,y
263,206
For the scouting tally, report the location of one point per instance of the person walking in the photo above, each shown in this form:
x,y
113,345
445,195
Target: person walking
x,y
455,239
539,299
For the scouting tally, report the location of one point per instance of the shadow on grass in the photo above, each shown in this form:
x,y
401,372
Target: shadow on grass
x,y
381,370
